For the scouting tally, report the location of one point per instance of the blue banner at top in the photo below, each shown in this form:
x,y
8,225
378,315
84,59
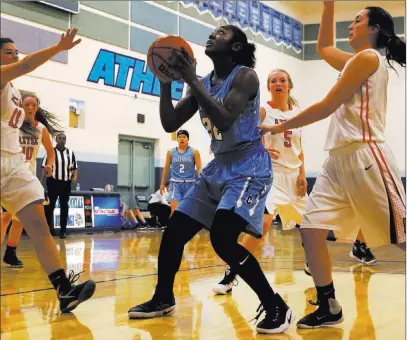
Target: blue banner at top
x,y
297,36
287,31
230,11
242,13
202,5
277,27
266,21
256,16
216,8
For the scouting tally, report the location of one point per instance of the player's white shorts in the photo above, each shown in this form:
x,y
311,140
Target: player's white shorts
x,y
283,199
19,187
359,187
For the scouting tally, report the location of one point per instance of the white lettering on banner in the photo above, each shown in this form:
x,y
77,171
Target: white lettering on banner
x,y
256,16
76,213
110,212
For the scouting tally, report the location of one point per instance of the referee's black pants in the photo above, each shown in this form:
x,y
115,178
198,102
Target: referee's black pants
x,y
61,189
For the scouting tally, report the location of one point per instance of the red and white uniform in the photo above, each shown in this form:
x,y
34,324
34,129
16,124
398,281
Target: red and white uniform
x,y
360,185
30,146
18,185
282,198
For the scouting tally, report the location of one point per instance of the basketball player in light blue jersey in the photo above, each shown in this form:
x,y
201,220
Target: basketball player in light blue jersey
x,y
229,196
180,162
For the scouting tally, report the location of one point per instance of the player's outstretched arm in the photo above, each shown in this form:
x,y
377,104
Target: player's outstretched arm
x,y
325,45
244,87
33,60
358,70
173,118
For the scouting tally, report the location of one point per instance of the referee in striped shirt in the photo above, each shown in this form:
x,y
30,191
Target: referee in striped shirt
x,y
64,173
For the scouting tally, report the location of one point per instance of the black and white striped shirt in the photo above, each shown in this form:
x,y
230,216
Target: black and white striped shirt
x,y
65,164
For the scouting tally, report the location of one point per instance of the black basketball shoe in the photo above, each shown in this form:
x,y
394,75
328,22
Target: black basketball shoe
x,y
225,286
277,319
70,299
10,257
152,309
328,314
362,253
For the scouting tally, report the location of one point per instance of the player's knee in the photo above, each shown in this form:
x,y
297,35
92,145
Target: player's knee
x,y
224,233
313,236
181,229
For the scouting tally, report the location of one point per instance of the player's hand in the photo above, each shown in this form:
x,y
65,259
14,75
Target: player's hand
x,y
67,40
274,153
273,129
301,185
162,188
183,63
48,170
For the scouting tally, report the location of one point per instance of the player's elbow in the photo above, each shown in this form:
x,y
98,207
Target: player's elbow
x,y
169,128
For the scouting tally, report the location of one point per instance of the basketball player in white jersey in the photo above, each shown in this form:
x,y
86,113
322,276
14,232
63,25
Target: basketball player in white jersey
x,y
360,185
289,189
38,127
21,193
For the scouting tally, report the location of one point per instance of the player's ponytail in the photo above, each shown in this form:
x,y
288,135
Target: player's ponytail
x,y
46,118
246,55
395,48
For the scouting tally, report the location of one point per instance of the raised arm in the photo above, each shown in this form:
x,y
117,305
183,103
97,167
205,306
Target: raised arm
x,y
33,60
244,86
325,45
358,70
173,118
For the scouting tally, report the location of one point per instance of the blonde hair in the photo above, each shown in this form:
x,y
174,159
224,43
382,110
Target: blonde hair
x,y
291,100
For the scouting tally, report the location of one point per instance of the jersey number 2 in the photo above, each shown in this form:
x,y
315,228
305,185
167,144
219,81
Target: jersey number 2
x,y
212,129
181,168
15,118
287,139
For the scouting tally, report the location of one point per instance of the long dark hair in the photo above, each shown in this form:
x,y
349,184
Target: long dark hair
x,y
5,41
245,56
387,39
45,117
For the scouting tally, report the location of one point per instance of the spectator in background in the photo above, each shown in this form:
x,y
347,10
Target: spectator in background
x,y
132,219
158,206
64,173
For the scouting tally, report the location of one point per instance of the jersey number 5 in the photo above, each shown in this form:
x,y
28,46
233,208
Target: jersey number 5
x,y
212,129
287,139
15,118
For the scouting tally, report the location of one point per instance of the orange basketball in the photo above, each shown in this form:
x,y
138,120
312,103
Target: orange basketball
x,y
159,57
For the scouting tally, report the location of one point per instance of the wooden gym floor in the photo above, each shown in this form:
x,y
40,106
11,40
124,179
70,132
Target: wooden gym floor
x,y
125,267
